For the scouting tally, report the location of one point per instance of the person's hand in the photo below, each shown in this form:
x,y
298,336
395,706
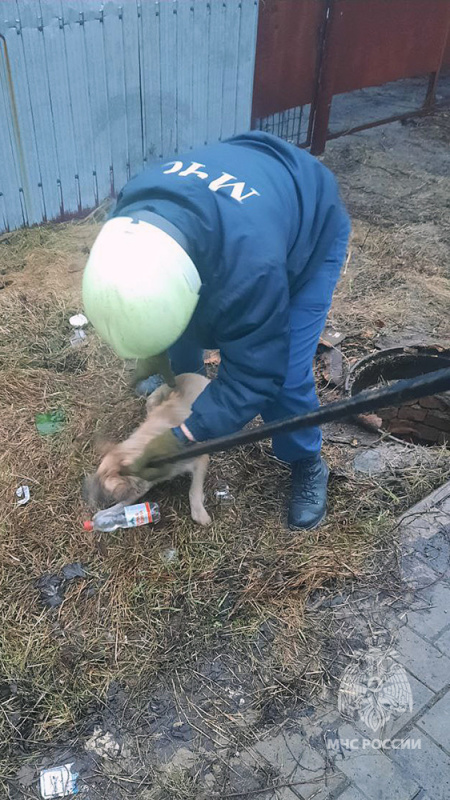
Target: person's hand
x,y
157,365
164,446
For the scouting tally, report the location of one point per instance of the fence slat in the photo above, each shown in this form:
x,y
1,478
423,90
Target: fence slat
x,y
200,42
131,45
94,54
184,74
246,62
115,86
11,214
168,31
60,109
79,100
216,58
151,79
230,70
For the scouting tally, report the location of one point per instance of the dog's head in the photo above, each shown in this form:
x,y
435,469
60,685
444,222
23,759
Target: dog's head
x,y
108,486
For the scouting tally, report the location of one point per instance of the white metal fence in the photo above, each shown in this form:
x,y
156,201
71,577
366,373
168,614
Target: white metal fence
x,y
91,92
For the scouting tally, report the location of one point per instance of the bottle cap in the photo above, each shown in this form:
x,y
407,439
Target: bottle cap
x,y
78,321
88,525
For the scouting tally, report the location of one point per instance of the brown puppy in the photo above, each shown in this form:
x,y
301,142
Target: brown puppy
x,y
166,408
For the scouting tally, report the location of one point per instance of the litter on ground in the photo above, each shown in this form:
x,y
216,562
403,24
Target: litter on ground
x,y
50,422
23,493
78,321
58,782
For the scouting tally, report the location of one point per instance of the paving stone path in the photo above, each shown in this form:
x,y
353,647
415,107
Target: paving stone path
x,y
350,756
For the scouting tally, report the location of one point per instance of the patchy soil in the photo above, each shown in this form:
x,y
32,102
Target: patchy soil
x,y
156,678
395,181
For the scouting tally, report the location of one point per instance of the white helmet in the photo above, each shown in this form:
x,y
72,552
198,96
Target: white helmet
x,y
140,288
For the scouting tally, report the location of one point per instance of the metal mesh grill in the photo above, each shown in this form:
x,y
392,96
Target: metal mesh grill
x,y
291,124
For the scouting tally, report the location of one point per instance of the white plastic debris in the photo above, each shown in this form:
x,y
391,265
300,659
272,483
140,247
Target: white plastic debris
x,y
58,782
223,494
234,692
78,321
78,337
23,493
170,556
103,744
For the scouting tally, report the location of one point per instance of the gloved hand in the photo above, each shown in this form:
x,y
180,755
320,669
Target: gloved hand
x,y
157,365
165,445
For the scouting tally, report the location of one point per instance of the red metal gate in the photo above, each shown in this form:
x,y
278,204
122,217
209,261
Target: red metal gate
x,y
310,50
287,54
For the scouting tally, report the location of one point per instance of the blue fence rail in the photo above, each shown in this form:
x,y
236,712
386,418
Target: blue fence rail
x,y
91,92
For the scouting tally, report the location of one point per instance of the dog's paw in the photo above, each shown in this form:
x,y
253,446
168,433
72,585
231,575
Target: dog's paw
x,y
201,516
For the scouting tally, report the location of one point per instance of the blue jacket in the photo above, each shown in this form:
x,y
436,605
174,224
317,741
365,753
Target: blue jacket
x,y
259,216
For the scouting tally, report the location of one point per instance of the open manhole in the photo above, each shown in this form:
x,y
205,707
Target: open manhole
x,y
424,421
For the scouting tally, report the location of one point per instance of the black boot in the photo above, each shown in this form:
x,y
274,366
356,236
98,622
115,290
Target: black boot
x,y
308,505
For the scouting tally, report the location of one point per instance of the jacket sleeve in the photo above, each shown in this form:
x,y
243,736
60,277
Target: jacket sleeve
x,y
252,332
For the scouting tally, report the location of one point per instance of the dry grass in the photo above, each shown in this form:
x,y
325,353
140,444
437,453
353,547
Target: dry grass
x,y
396,184
393,283
140,615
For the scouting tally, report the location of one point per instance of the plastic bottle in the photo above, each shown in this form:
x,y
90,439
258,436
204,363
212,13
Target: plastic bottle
x,y
78,321
120,516
223,494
